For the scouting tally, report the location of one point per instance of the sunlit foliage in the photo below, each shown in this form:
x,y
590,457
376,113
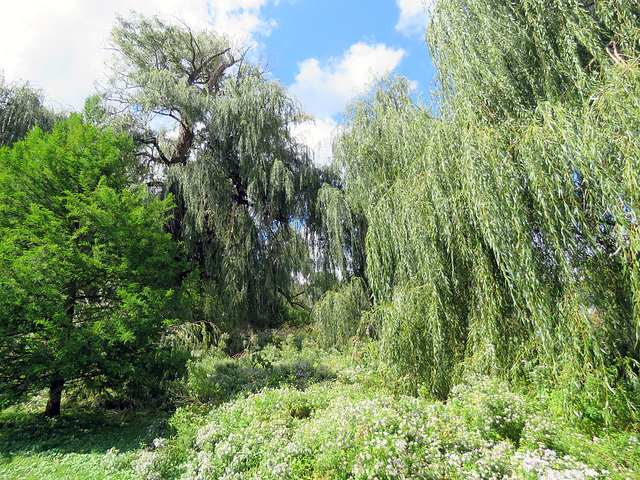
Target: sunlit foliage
x,y
244,187
87,276
502,231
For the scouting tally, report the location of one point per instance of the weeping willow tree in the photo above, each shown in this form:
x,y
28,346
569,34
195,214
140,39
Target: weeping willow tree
x,y
216,134
376,127
338,316
249,202
502,234
545,98
514,55
22,107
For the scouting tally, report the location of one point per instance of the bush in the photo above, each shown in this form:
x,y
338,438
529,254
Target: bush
x,y
337,431
215,379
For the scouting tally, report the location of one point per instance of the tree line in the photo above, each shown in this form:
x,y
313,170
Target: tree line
x,y
491,230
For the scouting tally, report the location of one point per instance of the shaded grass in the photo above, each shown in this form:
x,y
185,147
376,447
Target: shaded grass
x,y
73,445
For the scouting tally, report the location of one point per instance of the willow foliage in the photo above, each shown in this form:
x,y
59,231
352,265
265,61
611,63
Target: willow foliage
x,y
337,316
344,227
246,199
376,127
244,187
514,55
22,108
502,234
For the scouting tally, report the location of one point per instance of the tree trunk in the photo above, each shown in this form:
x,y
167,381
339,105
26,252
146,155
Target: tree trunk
x,y
55,398
183,144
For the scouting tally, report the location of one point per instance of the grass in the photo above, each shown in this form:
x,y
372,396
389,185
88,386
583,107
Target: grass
x,y
74,445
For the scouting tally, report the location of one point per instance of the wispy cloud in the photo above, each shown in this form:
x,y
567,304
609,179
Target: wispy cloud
x,y
414,16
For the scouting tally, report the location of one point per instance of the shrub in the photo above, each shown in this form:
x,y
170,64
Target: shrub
x,y
215,379
337,431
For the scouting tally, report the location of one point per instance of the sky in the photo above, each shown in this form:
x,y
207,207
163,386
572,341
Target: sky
x,y
324,51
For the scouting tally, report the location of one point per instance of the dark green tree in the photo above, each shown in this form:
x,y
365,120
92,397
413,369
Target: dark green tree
x,y
87,272
244,188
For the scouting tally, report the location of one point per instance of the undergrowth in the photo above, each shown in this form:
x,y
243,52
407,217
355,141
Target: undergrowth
x,y
287,409
336,430
294,359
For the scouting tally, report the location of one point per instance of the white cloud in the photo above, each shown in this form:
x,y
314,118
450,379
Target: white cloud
x,y
324,89
239,18
60,45
317,136
414,16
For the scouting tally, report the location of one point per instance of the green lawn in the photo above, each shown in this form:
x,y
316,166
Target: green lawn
x,y
73,446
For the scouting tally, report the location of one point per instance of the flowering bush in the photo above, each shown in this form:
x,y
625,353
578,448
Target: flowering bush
x,y
487,405
334,430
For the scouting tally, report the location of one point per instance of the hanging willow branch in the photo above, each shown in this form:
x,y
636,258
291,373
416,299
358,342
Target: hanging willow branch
x,y
503,234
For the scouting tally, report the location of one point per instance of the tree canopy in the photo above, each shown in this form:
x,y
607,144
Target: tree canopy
x,y
493,232
501,231
244,187
22,106
87,273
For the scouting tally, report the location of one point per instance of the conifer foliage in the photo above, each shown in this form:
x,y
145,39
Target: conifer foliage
x,y
87,274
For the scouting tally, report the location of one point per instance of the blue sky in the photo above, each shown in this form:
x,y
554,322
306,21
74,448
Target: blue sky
x,y
326,29
325,51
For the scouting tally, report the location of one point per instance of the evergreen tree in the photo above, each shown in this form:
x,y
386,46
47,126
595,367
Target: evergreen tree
x,y
87,275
